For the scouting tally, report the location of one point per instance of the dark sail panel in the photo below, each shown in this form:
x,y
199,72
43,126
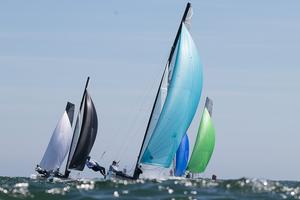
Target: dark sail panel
x,y
209,105
88,133
70,111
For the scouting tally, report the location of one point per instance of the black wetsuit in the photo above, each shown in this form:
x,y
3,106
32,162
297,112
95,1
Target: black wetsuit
x,y
42,171
137,173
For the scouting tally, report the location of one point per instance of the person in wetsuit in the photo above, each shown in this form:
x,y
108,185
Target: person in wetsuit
x,y
41,171
114,171
92,164
137,172
214,177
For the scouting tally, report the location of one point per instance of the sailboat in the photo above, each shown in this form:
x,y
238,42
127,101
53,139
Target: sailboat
x,y
175,103
78,144
205,141
84,135
60,141
182,156
203,147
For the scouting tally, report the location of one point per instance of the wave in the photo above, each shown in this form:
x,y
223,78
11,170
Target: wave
x,y
177,188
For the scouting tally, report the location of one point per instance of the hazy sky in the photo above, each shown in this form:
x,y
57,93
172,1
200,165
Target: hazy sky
x,y
250,52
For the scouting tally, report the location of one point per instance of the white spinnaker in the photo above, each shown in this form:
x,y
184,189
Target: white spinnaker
x,y
59,145
188,19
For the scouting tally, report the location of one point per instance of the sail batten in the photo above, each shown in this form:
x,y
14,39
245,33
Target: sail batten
x,y
205,141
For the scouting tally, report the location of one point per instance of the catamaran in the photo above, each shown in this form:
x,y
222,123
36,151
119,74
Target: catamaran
x,y
175,102
78,144
203,147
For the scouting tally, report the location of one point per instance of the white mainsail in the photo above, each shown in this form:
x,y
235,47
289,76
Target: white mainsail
x,y
59,145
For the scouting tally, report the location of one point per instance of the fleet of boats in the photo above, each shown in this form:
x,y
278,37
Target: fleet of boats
x,y
78,142
165,140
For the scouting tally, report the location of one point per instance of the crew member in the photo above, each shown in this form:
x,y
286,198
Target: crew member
x,y
137,172
42,171
92,164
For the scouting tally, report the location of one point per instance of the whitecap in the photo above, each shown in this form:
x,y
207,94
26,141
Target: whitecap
x,y
116,194
21,189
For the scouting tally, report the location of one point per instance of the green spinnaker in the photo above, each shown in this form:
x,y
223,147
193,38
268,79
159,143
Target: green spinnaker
x,y
204,145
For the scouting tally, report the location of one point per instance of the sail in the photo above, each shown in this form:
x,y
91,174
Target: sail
x,y
205,141
183,94
182,156
159,103
59,143
85,133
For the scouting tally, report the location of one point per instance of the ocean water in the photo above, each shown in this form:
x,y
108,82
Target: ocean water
x,y
27,188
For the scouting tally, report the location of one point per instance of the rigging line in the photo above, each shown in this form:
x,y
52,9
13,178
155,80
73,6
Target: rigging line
x,y
134,129
102,155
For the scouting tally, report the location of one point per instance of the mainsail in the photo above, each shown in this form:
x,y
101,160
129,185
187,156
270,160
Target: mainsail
x,y
60,141
182,156
85,133
176,100
205,141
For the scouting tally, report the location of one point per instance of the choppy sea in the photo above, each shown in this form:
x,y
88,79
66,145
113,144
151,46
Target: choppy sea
x,y
28,188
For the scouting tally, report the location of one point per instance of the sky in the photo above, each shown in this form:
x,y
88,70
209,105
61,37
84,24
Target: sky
x,y
249,50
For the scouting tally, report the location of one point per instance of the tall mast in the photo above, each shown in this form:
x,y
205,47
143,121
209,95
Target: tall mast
x,y
168,62
188,5
67,172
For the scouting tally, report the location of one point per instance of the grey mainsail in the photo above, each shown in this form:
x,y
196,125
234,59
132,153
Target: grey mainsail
x,y
60,141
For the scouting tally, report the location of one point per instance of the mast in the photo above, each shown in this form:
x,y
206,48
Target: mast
x,y
168,62
67,172
188,5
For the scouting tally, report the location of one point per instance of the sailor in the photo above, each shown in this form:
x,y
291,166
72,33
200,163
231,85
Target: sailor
x,y
113,169
214,177
56,173
171,172
188,175
95,166
138,170
42,171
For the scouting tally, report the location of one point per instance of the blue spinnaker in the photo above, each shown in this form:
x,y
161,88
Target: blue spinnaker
x,y
182,156
184,91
